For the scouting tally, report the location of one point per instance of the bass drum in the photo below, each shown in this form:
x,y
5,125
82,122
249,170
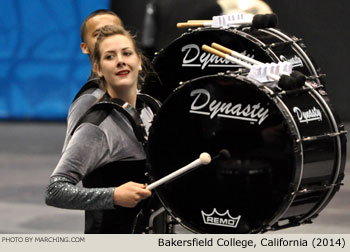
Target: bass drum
x,y
183,59
287,154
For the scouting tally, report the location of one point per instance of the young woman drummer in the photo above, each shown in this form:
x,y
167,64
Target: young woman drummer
x,y
104,152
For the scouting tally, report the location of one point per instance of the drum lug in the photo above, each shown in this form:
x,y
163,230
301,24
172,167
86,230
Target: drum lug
x,y
278,226
308,221
299,90
315,77
178,220
333,185
313,86
316,188
294,91
299,192
290,223
313,138
285,43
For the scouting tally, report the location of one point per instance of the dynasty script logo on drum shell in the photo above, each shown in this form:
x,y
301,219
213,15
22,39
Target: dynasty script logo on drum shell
x,y
205,59
295,61
313,114
253,113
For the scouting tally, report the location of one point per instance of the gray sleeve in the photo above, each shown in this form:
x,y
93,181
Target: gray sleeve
x,y
87,150
63,193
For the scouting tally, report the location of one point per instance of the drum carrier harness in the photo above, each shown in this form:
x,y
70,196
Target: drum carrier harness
x,y
120,219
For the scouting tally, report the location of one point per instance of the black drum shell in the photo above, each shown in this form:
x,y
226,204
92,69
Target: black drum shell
x,y
183,59
269,163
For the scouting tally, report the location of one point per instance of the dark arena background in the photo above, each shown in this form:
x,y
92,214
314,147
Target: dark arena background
x,y
42,68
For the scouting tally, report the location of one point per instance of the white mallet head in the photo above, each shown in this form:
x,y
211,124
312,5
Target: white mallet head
x,y
205,158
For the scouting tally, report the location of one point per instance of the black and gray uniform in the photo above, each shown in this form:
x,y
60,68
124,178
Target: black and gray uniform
x,y
103,152
84,99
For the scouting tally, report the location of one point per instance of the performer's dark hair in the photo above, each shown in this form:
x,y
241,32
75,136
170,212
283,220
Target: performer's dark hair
x,y
93,14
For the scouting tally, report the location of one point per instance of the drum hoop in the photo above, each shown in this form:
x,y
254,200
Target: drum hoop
x,y
283,107
311,67
318,207
338,161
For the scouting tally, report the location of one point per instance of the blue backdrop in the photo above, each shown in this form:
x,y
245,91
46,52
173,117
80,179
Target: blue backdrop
x,y
41,64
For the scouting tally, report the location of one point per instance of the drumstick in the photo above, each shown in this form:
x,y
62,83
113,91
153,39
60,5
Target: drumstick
x,y
225,21
206,23
235,60
226,56
203,159
241,56
192,24
235,54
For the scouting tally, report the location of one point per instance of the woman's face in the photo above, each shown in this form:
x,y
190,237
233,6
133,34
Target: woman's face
x,y
119,63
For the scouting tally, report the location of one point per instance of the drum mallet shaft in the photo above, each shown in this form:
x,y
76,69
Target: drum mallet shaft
x,y
203,159
226,56
192,24
206,23
234,60
235,54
